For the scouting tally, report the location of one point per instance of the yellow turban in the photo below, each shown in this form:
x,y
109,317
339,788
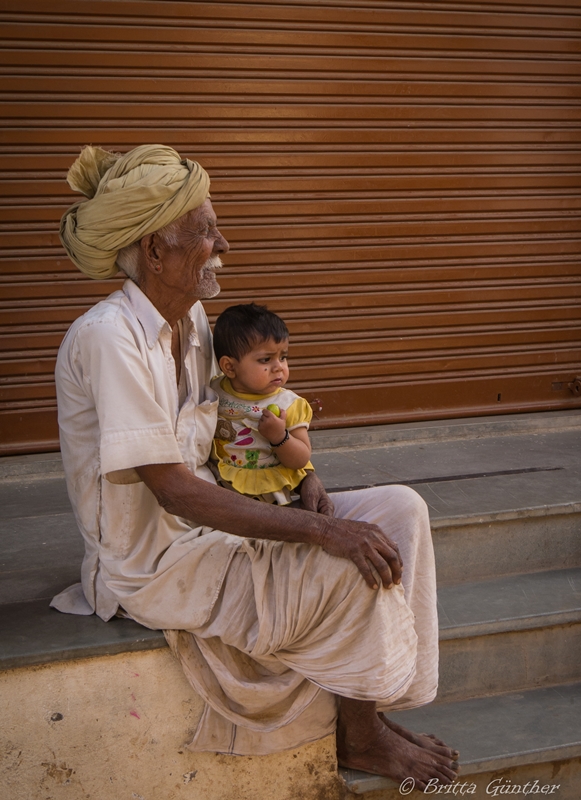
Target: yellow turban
x,y
130,196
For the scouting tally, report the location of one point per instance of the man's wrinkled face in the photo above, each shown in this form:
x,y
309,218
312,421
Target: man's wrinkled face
x,y
189,265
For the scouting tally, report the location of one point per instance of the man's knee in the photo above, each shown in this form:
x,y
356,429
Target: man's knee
x,y
400,499
408,498
378,504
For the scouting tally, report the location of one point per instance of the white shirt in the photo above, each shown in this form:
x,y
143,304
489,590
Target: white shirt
x,y
119,409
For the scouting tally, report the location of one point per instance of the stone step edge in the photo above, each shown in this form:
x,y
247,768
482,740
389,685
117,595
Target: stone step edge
x,y
445,430
77,653
146,639
487,617
436,522
361,783
493,726
153,640
74,637
461,520
50,464
510,625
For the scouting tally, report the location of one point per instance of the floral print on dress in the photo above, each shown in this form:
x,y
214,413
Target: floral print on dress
x,y
239,445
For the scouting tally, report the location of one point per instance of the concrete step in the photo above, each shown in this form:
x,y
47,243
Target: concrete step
x,y
510,604
488,544
507,734
506,738
495,636
503,500
116,727
505,503
41,548
510,633
467,428
504,495
32,634
42,551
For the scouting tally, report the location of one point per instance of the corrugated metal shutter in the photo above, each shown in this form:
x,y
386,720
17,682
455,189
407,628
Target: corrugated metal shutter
x,y
401,181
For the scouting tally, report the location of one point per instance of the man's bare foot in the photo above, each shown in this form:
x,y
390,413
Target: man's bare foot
x,y
396,757
425,740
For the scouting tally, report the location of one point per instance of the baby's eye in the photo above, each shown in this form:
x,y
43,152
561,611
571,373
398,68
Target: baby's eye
x,y
264,360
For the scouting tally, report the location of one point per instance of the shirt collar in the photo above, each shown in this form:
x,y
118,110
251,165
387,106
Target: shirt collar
x,y
152,322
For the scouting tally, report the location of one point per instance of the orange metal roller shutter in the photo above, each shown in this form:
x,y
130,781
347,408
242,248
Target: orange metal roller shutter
x,y
401,181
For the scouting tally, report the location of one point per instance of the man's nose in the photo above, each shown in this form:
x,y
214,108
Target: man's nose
x,y
221,245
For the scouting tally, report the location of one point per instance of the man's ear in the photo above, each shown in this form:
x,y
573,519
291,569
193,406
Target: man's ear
x,y
150,248
227,365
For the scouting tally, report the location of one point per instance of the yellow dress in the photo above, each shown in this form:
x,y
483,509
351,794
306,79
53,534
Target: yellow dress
x,y
242,458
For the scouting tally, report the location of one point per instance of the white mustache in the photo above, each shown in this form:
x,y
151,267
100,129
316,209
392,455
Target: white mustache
x,y
213,263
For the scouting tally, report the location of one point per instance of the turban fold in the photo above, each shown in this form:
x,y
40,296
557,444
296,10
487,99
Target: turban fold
x,y
130,196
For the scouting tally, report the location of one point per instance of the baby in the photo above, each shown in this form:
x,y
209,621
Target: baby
x,y
261,445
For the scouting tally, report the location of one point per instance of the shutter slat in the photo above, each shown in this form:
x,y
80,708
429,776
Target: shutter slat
x,y
401,184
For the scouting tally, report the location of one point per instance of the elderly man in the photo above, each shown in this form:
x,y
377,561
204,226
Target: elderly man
x,y
289,623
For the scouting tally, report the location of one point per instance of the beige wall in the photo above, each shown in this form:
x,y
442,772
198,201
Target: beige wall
x,y
125,720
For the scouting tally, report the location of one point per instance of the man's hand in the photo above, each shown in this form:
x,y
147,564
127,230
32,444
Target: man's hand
x,y
364,544
313,495
368,547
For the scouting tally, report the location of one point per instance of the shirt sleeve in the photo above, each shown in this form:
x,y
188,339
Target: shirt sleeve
x,y
134,428
298,414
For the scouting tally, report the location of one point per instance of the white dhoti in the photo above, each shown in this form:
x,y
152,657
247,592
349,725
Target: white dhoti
x,y
293,627
268,633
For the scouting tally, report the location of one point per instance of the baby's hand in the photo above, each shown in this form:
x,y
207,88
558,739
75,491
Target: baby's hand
x,y
272,427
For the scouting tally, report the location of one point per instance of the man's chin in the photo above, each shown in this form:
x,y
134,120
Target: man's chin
x,y
208,288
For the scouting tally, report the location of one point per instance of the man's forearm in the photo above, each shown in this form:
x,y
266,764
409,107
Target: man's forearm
x,y
182,494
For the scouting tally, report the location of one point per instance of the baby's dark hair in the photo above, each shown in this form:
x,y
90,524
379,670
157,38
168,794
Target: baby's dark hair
x,y
240,328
